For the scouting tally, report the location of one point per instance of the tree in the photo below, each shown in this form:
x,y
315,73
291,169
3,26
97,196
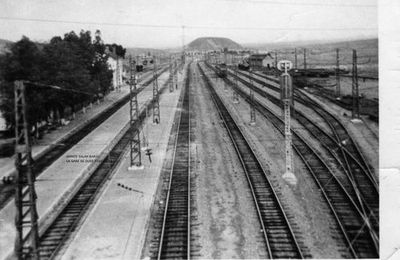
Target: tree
x,y
76,63
22,63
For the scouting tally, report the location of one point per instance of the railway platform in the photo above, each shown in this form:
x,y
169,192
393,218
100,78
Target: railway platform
x,y
60,180
45,144
7,166
116,227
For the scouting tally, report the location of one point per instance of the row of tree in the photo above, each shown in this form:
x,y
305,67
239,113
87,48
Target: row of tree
x,y
76,63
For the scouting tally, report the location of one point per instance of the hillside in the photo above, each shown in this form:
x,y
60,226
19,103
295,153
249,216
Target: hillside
x,y
323,54
212,43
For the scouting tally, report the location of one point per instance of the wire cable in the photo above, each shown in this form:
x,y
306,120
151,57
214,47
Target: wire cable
x,y
57,87
303,3
190,26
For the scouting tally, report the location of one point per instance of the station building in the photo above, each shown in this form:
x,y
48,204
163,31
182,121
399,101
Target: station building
x,y
259,61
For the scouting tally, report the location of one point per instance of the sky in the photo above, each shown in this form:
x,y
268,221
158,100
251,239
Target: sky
x,y
168,23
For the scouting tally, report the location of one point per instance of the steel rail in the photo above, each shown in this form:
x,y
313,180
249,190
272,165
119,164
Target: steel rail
x,y
269,209
53,237
360,183
340,202
175,230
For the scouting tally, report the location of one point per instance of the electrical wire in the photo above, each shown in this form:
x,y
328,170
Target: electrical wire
x,y
189,26
302,3
57,87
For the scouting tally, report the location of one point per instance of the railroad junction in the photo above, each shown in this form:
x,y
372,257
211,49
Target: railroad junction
x,y
209,180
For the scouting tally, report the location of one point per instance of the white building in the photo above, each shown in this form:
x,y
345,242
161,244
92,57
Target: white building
x,y
116,65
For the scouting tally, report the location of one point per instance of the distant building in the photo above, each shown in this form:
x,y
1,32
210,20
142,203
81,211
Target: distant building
x,y
259,61
116,65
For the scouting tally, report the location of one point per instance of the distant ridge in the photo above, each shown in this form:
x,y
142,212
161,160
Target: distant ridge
x,y
212,43
315,44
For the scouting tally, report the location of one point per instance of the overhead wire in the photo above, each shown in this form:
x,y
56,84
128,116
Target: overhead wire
x,y
57,87
302,3
166,26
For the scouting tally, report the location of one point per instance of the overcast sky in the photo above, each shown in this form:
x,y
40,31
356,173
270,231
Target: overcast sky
x,y
158,23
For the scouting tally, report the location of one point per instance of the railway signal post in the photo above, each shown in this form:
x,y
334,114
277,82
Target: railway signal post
x,y
355,91
135,152
156,104
287,97
225,68
26,218
235,95
252,108
171,76
337,75
175,76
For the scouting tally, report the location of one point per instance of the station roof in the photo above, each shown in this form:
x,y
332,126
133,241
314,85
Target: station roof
x,y
260,56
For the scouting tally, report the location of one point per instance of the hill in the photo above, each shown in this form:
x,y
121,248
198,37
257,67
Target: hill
x,y
212,43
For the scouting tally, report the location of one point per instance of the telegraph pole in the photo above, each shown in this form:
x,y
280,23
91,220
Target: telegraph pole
x,y
26,218
287,97
252,108
135,152
337,75
156,104
355,91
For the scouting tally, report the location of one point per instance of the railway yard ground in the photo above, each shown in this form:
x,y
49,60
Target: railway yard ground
x,y
212,185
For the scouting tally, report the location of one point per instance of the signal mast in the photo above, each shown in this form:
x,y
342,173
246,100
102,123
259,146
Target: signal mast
x,y
287,99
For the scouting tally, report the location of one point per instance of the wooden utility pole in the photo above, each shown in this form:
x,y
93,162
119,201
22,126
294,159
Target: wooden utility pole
x,y
26,218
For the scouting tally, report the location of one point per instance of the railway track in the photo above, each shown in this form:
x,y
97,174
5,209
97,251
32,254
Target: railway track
x,y
279,237
361,239
340,132
58,149
358,171
175,229
360,181
53,238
